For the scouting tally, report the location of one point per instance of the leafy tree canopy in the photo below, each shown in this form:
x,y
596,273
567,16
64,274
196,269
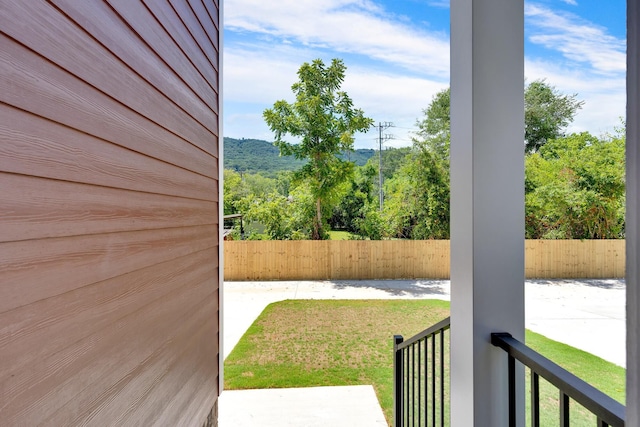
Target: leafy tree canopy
x,y
434,129
574,189
324,119
574,185
417,201
356,204
547,113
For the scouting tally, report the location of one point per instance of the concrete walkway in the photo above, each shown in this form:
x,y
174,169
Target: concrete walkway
x,y
587,314
352,406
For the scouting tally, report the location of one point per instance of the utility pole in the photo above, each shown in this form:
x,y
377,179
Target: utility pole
x,y
381,127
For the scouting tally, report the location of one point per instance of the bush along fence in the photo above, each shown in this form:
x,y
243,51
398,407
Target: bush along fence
x,y
408,259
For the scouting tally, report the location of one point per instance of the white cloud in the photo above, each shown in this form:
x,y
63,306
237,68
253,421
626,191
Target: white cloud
x,y
347,26
260,75
579,41
444,4
594,66
390,98
605,97
571,2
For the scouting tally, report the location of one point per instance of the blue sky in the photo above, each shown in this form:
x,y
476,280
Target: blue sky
x,y
397,57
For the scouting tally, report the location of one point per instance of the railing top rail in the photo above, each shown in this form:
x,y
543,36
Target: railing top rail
x,y
440,326
601,405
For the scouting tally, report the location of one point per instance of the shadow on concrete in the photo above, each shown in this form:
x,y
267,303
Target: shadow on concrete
x,y
594,283
413,288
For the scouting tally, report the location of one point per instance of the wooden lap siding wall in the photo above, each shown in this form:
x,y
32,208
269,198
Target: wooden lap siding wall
x,y
108,212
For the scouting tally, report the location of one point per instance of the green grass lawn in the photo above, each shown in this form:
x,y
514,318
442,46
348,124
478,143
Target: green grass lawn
x,y
607,377
339,235
306,343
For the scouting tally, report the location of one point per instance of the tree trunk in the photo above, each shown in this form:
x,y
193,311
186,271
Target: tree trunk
x,y
317,223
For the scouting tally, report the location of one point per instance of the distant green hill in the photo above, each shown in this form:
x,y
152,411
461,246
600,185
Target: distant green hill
x,y
258,156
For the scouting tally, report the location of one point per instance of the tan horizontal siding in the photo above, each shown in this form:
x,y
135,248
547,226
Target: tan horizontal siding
x,y
72,316
408,259
212,7
163,44
99,364
63,98
32,145
37,269
195,28
209,25
35,208
109,293
170,20
95,65
116,36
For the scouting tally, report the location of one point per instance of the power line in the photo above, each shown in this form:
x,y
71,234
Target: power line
x,y
382,126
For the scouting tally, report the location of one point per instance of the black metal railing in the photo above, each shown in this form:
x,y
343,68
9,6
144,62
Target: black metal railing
x,y
421,378
607,411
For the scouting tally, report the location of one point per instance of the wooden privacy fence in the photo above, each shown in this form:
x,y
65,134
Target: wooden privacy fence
x,y
407,259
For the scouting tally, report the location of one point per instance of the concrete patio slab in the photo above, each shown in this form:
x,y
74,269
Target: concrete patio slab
x,y
349,406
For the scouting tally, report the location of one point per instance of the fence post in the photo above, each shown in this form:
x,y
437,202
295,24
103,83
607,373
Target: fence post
x,y
398,381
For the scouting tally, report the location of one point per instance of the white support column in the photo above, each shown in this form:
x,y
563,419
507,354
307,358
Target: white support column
x,y
487,204
633,215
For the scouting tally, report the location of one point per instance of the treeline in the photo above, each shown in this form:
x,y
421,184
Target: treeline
x,y
574,184
256,156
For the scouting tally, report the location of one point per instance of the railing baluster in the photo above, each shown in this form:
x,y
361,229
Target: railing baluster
x,y
433,381
442,378
426,381
398,376
419,385
535,399
409,377
415,368
564,410
405,398
413,382
512,391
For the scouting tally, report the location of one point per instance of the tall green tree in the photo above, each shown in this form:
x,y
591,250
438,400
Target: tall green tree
x,y
417,205
434,132
547,113
574,189
418,196
238,185
283,218
355,203
234,189
324,119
